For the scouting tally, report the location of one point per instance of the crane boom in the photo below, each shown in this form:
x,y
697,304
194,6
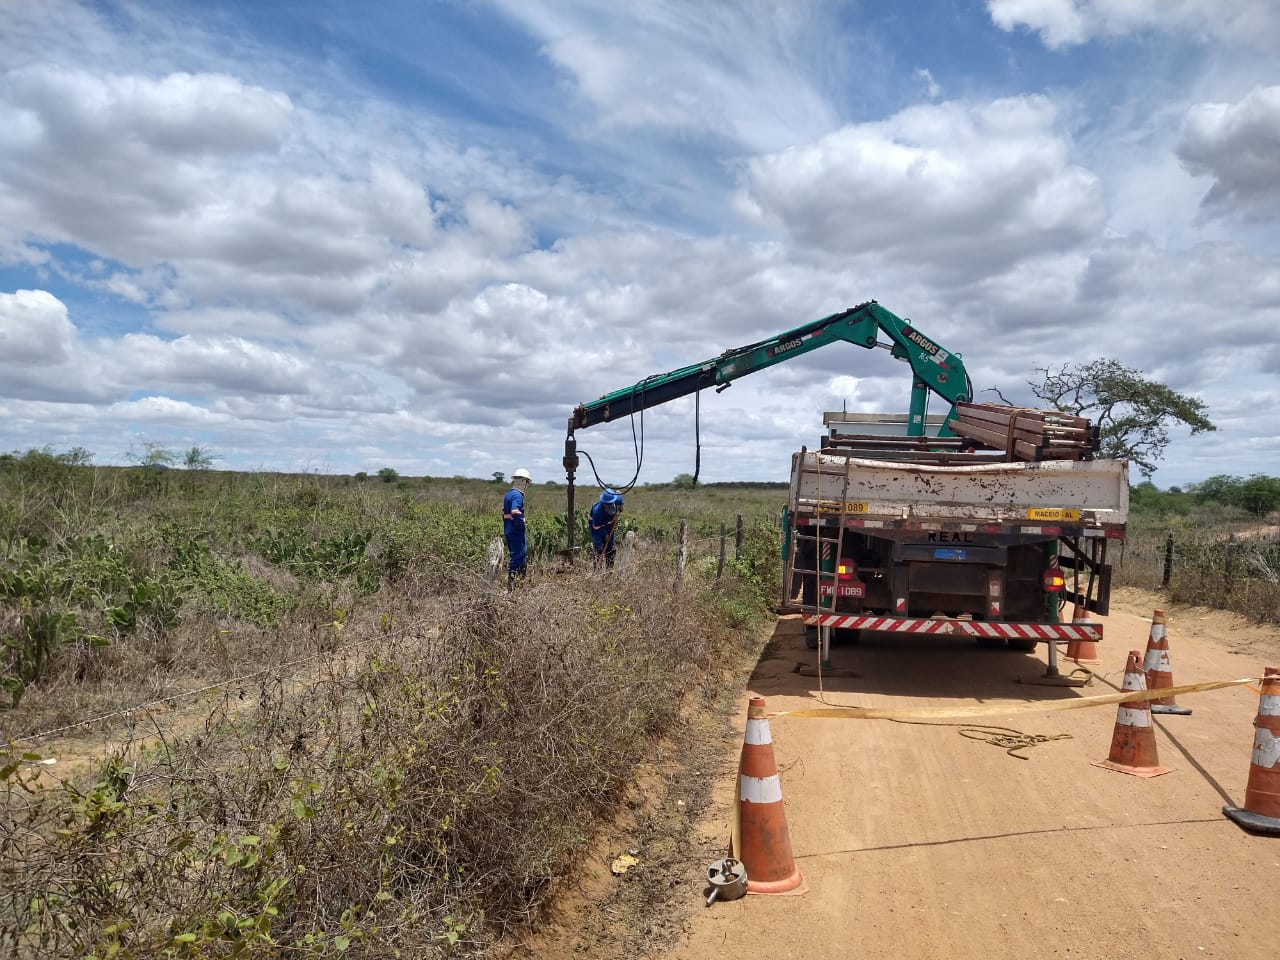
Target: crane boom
x,y
934,369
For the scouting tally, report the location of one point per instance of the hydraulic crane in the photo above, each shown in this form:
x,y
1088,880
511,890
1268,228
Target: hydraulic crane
x,y
934,369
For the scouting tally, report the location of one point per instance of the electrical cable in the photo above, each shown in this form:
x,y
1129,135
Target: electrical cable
x,y
637,443
697,435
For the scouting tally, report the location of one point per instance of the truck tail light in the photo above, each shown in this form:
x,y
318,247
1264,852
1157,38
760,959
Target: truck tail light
x,y
1054,581
846,570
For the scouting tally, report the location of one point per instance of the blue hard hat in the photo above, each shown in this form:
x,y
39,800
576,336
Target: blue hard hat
x,y
610,496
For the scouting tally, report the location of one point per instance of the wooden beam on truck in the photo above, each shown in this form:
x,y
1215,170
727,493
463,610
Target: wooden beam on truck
x,y
938,457
993,437
1051,417
1028,434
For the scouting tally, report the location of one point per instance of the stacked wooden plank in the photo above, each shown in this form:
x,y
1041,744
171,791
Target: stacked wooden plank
x,y
1027,434
932,450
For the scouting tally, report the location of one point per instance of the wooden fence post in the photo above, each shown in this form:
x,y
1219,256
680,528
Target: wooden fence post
x,y
737,540
684,549
720,563
1168,560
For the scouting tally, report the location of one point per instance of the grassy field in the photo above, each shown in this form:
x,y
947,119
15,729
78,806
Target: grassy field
x,y
326,732
292,717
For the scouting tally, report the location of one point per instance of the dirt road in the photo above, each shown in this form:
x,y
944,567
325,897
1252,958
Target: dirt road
x,y
919,842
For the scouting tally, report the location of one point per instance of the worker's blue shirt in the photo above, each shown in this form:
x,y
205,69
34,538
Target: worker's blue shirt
x,y
601,524
513,514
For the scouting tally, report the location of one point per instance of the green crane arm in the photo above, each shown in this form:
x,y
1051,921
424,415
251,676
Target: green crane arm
x,y
933,367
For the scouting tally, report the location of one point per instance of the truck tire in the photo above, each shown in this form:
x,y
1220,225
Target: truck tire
x,y
811,637
990,643
846,635
1022,643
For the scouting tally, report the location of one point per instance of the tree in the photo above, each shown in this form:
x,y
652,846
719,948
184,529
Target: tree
x,y
684,481
154,455
499,477
388,474
1133,413
1258,494
198,458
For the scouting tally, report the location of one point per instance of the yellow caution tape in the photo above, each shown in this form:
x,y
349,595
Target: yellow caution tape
x,y
1001,710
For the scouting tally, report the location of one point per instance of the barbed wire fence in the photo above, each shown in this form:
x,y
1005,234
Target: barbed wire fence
x,y
685,546
1237,573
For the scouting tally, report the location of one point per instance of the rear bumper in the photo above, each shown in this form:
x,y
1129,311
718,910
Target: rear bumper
x,y
1045,632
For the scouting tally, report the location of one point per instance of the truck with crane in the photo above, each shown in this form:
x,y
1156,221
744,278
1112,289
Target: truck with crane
x,y
985,522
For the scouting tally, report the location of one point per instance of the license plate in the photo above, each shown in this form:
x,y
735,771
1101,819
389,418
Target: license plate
x,y
849,506
1052,513
844,590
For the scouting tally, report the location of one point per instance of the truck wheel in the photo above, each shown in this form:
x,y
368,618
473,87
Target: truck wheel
x,y
811,637
991,643
1023,644
846,635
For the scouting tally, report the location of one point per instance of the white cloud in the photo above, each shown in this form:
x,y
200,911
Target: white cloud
x,y
1059,22
745,71
192,363
1062,23
210,178
931,88
974,187
163,412
1239,146
41,355
34,330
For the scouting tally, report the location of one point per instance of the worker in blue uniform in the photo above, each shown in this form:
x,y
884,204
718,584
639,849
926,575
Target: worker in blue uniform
x,y
604,519
513,525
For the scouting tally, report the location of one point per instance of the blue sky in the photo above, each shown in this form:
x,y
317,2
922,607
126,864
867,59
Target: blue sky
x,y
333,236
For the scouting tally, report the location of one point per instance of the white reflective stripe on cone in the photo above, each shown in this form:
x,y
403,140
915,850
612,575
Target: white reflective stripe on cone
x,y
758,733
1269,706
1157,632
1134,681
1129,717
1266,748
1157,660
761,789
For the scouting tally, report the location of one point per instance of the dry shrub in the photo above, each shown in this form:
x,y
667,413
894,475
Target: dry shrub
x,y
1210,568
416,800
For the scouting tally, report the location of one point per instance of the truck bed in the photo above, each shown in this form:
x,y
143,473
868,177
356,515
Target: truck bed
x,y
1091,492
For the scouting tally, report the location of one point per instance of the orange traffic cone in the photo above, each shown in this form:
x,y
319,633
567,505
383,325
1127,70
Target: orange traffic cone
x,y
1133,744
1261,812
761,840
1082,651
1158,669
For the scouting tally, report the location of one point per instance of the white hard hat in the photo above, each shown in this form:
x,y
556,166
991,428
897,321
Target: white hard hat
x,y
522,474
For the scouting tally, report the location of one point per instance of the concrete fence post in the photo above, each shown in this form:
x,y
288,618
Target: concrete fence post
x,y
625,556
493,561
683,559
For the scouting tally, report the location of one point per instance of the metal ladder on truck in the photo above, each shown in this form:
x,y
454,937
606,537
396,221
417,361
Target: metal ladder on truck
x,y
826,547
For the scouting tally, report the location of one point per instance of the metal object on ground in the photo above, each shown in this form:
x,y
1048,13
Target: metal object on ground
x,y
1053,678
728,880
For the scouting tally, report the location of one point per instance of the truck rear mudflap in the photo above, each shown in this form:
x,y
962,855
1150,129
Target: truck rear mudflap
x,y
943,626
